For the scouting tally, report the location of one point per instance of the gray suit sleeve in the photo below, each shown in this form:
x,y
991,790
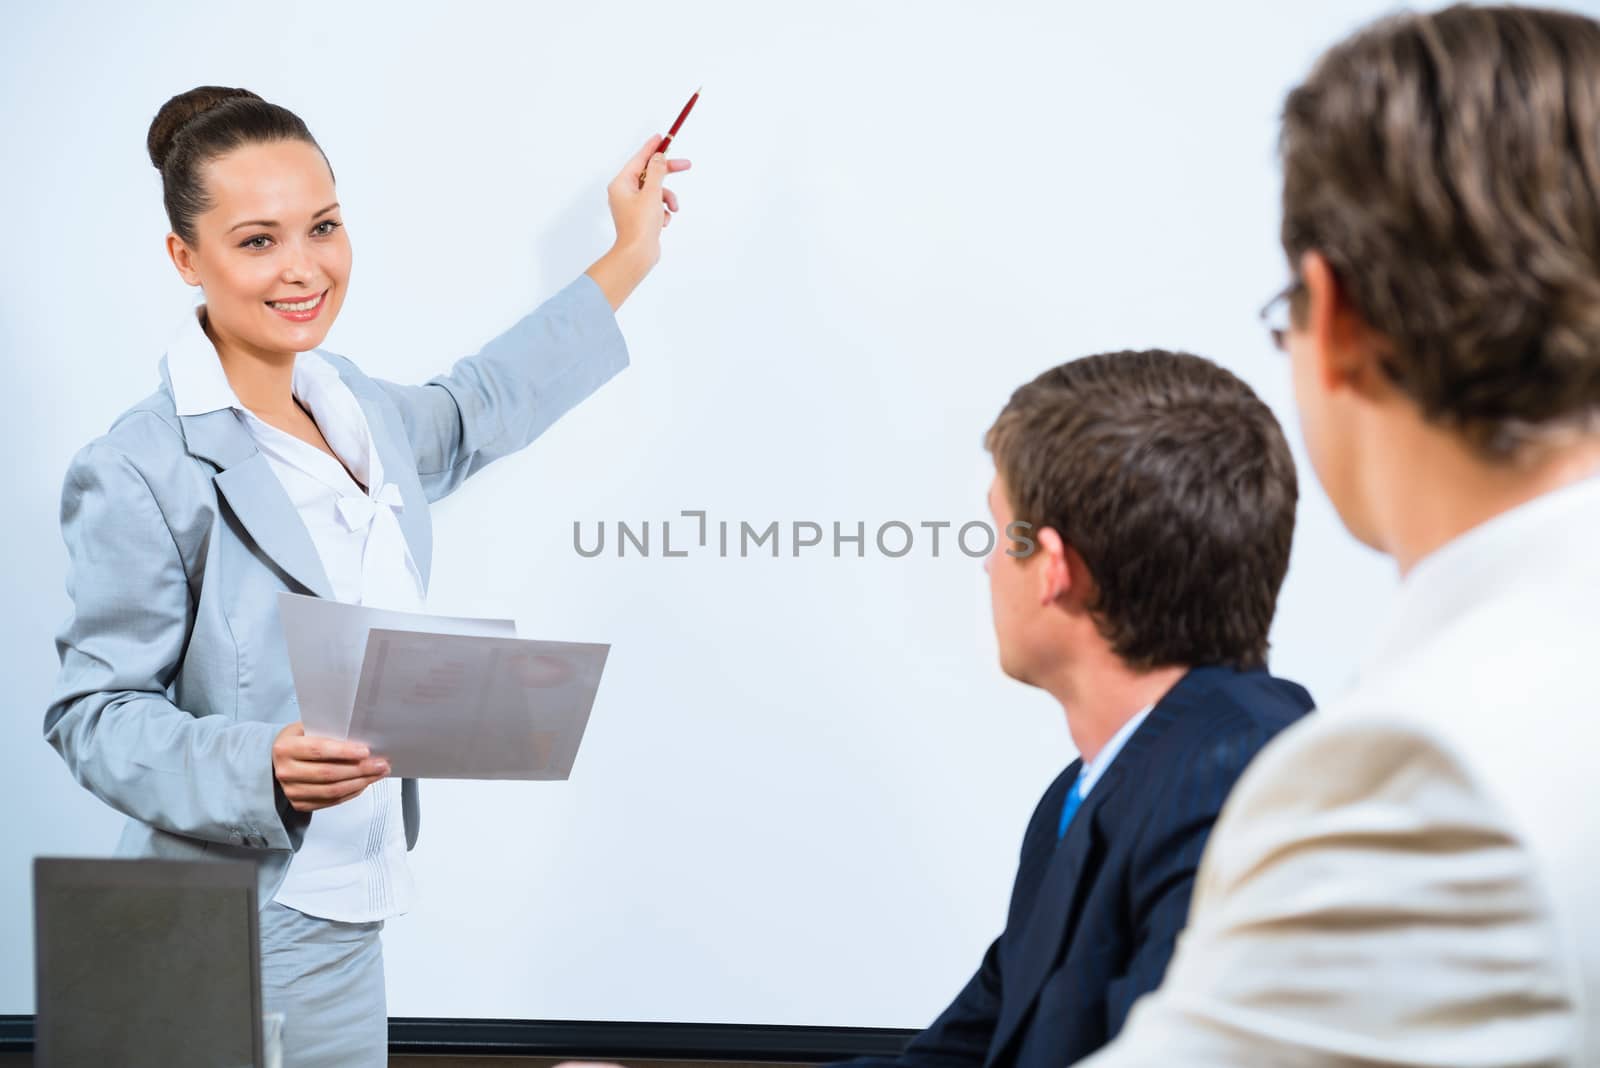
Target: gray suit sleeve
x,y
109,717
495,402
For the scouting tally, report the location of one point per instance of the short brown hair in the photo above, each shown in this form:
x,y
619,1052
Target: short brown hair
x,y
1447,166
1173,481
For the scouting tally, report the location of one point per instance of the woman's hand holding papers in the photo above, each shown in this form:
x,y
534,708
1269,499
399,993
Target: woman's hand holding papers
x,y
322,772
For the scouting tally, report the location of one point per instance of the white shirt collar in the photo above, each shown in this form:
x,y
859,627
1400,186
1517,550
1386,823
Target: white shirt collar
x,y
199,384
1090,773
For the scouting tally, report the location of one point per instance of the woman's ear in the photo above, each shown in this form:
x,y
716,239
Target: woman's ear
x,y
182,259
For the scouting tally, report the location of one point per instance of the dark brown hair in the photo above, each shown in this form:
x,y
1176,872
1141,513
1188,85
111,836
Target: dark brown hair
x,y
1447,166
1173,481
196,127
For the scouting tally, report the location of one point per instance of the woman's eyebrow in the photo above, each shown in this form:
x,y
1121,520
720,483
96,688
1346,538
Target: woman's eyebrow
x,y
273,222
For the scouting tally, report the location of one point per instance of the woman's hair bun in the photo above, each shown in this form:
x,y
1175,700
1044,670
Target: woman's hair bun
x,y
205,124
180,111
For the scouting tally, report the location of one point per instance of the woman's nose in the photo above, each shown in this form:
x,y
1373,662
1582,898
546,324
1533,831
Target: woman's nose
x,y
297,266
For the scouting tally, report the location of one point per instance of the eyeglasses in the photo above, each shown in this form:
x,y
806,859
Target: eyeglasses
x,y
1275,313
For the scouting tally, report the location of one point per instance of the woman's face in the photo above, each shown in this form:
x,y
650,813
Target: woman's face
x,y
273,236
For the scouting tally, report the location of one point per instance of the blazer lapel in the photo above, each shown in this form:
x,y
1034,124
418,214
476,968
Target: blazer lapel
x,y
401,469
257,498
1053,919
246,481
1055,907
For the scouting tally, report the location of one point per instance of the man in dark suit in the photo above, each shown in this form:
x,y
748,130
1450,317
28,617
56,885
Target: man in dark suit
x,y
1148,504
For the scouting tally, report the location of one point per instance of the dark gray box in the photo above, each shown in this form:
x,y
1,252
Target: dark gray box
x,y
146,962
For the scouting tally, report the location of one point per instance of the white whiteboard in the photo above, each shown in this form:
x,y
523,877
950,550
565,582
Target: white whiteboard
x,y
805,780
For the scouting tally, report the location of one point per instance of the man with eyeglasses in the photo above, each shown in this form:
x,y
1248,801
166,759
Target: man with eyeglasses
x,y
1409,876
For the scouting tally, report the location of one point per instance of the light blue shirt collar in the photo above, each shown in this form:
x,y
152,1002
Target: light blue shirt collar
x,y
1090,773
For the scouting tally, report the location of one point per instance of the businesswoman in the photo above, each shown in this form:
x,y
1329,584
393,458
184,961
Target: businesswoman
x,y
263,464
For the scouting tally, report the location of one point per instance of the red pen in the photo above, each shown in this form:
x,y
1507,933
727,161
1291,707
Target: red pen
x,y
684,114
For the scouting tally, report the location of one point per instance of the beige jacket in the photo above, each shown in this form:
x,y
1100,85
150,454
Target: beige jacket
x,y
1412,874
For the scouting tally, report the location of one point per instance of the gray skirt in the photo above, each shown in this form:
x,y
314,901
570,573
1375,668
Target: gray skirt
x,y
326,977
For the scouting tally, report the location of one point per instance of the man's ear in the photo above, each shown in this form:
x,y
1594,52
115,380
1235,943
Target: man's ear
x,y
1052,566
1344,350
182,259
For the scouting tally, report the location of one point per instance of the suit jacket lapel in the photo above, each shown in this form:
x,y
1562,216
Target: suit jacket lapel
x,y
400,468
1035,861
246,481
1053,919
1055,906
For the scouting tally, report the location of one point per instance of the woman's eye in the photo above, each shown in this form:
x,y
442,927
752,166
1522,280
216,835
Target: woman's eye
x,y
321,229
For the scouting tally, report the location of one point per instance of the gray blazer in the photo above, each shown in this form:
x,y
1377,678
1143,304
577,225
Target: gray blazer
x,y
174,677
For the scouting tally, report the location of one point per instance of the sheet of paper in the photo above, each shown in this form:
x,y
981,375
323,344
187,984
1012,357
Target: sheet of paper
x,y
327,640
443,706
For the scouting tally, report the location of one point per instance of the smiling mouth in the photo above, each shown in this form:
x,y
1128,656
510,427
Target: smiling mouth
x,y
308,304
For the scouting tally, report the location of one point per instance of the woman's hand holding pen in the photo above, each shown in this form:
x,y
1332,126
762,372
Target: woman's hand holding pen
x,y
322,772
640,212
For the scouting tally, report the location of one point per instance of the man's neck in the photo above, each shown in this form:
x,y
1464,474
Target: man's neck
x,y
1100,694
1462,491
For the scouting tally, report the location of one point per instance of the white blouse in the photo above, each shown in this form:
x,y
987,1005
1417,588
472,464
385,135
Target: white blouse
x,y
351,865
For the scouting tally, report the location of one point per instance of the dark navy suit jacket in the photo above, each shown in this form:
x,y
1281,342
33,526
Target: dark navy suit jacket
x,y
1094,916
